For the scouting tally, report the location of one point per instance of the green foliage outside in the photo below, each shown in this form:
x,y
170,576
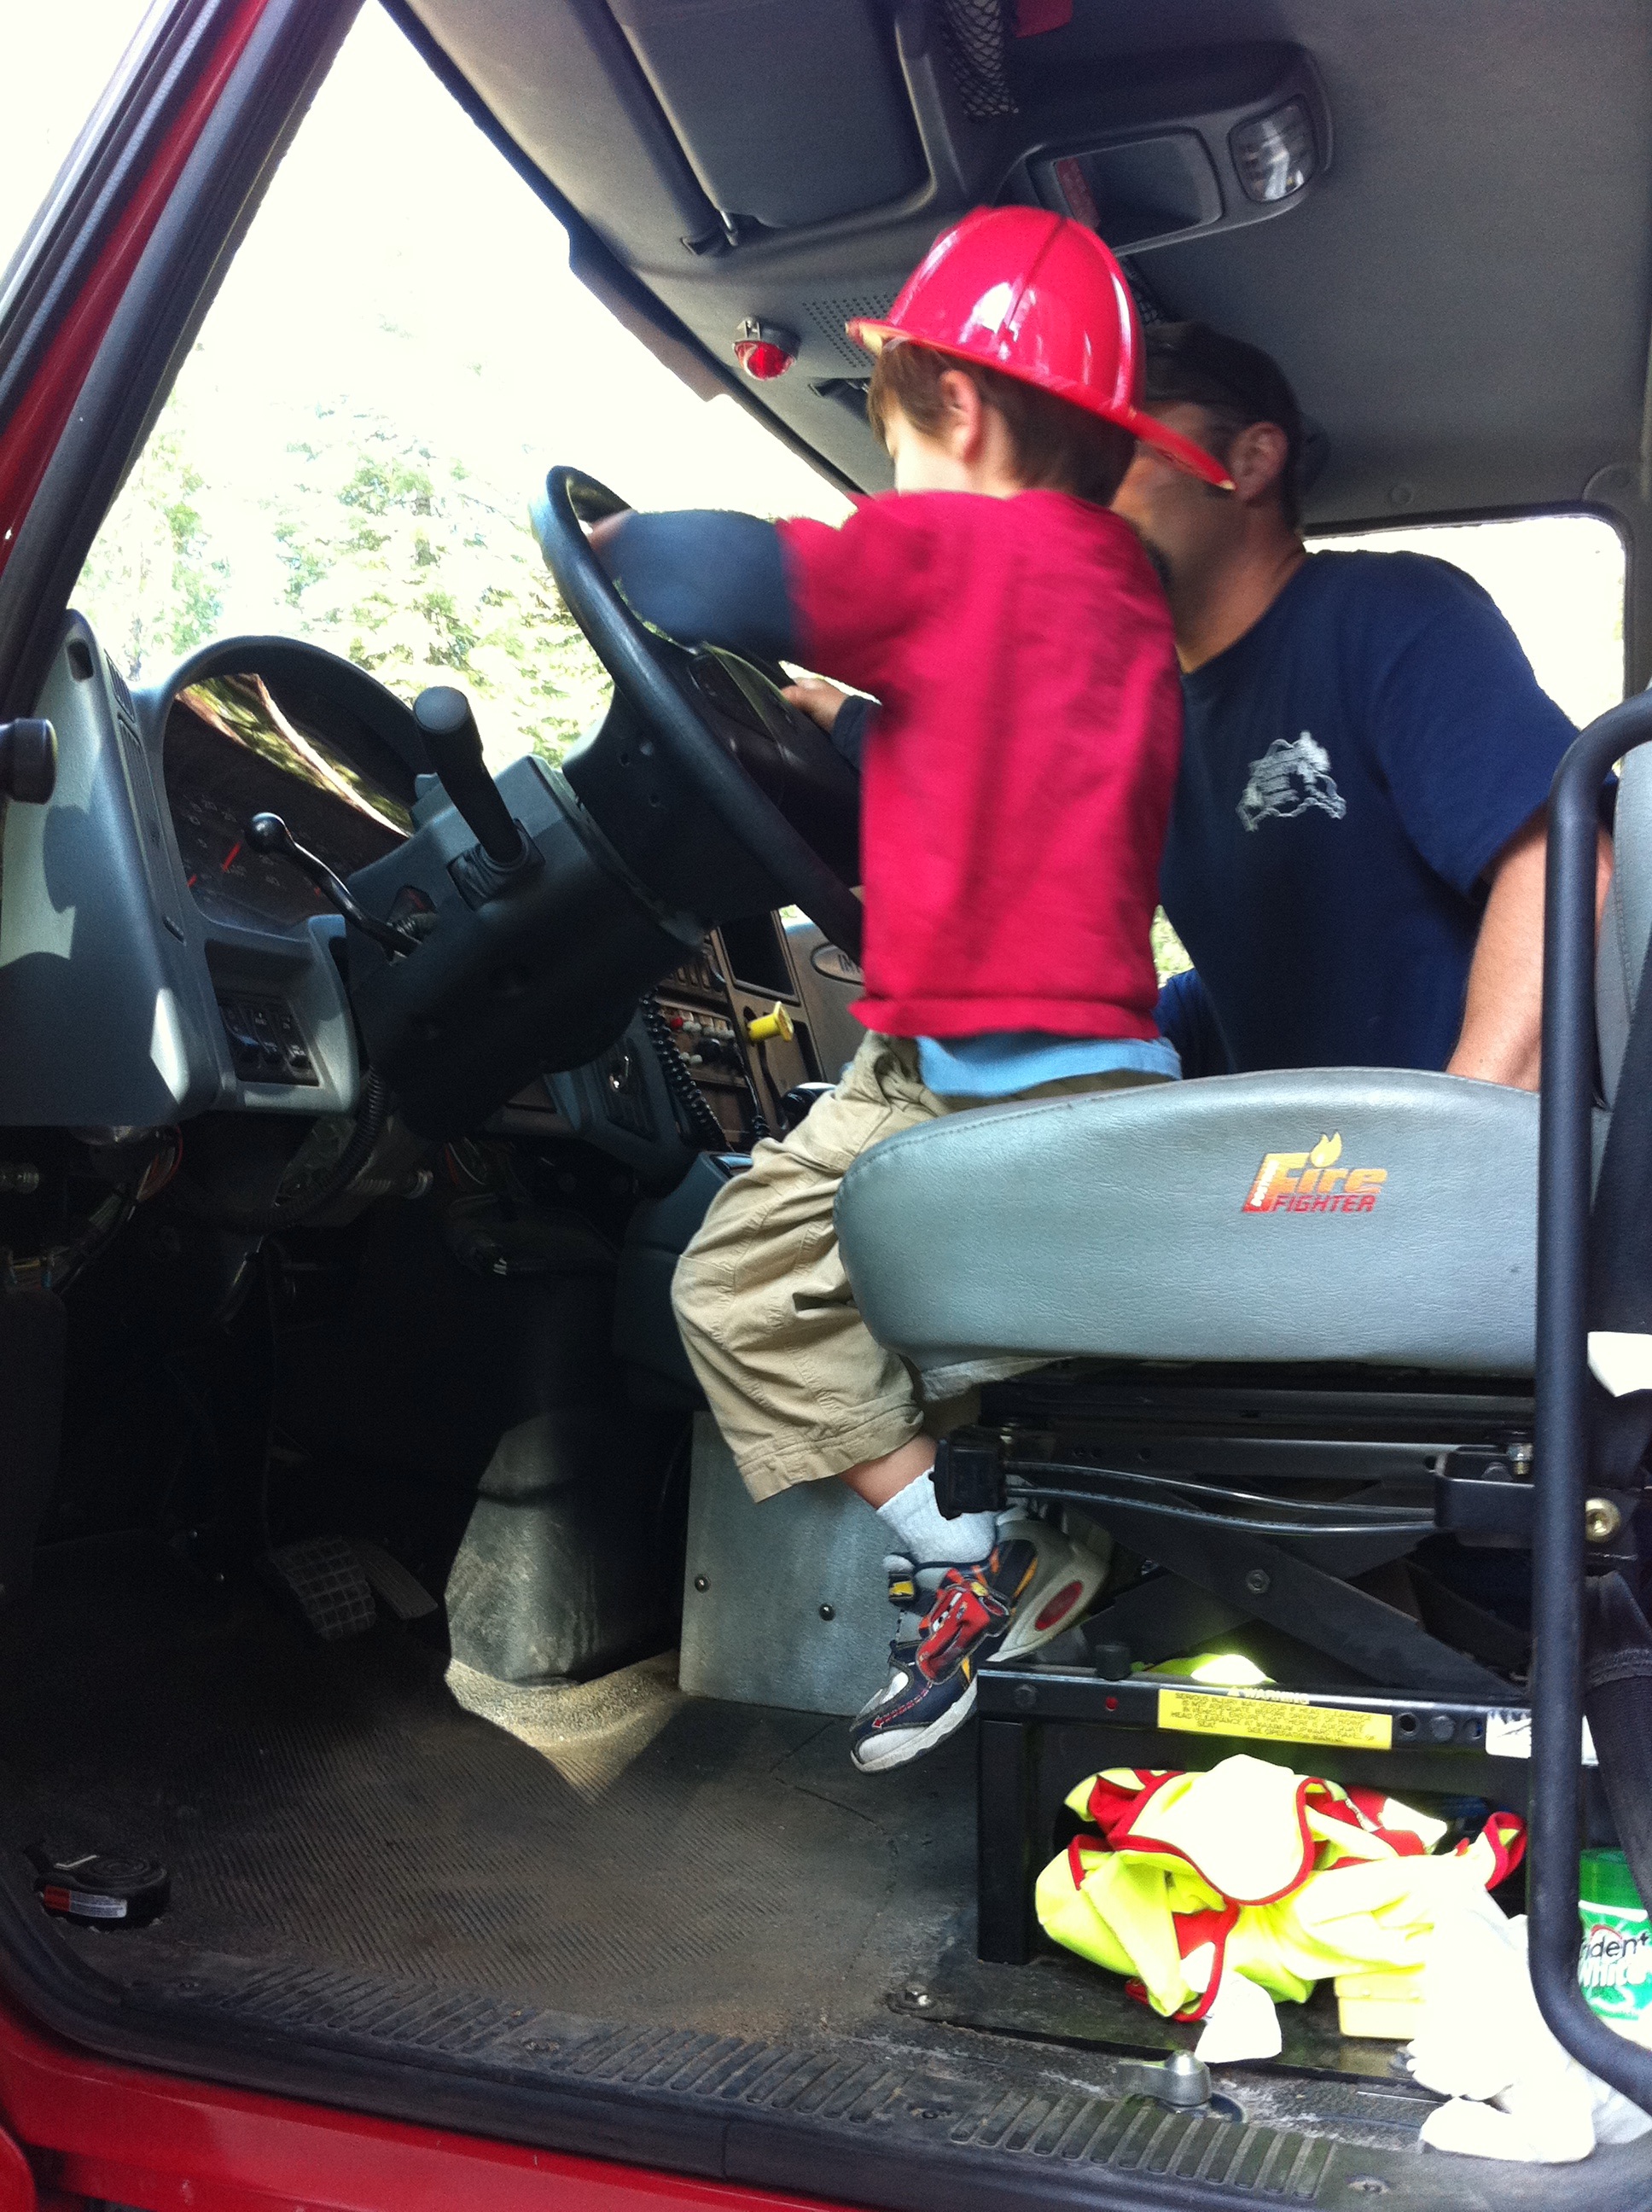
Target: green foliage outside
x,y
1170,954
398,560
391,555
155,582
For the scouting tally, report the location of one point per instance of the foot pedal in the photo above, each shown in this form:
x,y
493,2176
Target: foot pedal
x,y
400,1590
323,1577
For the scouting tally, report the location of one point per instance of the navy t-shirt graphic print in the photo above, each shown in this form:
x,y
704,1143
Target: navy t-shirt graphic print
x,y
1288,778
1350,768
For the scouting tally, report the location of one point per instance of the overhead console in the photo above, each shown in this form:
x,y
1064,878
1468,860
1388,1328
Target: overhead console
x,y
1155,153
771,171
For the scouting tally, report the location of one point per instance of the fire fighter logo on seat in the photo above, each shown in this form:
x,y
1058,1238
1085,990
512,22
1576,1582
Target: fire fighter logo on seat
x,y
1312,1182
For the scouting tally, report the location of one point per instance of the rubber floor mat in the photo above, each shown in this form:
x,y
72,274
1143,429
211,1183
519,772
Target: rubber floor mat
x,y
602,1892
337,1805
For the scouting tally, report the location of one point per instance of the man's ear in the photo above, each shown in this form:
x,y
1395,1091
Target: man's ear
x,y
1256,460
963,421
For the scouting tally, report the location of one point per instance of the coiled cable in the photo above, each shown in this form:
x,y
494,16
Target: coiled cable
x,y
703,1124
269,1220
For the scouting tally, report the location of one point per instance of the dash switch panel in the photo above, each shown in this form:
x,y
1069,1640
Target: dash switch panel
x,y
265,1041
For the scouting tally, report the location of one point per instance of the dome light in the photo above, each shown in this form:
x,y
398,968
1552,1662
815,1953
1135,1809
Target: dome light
x,y
1275,153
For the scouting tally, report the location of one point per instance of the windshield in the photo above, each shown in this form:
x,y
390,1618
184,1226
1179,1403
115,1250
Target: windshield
x,y
397,355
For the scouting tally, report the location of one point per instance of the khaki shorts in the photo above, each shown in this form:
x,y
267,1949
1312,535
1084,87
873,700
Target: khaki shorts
x,y
795,1380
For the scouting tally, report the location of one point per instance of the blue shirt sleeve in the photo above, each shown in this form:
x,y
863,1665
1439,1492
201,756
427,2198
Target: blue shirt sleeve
x,y
708,578
1466,737
1187,1018
850,728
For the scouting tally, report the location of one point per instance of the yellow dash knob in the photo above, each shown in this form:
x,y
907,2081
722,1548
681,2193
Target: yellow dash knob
x,y
778,1023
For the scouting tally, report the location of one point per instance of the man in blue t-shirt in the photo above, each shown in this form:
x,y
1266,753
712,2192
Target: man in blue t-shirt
x,y
1355,854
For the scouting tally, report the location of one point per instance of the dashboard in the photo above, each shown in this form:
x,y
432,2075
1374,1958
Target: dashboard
x,y
694,1030
162,969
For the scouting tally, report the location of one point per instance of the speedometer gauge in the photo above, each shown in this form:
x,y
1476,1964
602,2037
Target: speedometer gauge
x,y
230,754
227,877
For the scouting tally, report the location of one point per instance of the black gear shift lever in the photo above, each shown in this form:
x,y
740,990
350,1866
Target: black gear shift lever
x,y
455,745
268,833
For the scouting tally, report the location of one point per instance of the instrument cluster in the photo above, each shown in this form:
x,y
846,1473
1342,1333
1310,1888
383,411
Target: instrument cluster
x,y
232,752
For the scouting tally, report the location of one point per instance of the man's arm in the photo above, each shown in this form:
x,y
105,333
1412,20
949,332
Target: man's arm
x,y
703,576
845,716
1502,1020
1186,1016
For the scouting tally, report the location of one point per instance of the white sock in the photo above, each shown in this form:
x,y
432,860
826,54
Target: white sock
x,y
927,1537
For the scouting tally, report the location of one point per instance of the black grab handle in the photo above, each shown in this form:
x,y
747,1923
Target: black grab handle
x,y
1560,1465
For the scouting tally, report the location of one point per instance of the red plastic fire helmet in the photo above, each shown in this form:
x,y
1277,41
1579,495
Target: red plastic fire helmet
x,y
1037,296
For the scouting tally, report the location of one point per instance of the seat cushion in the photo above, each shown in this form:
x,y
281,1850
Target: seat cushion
x,y
1177,1221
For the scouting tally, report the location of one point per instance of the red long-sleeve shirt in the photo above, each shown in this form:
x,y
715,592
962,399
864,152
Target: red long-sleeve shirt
x,y
1018,782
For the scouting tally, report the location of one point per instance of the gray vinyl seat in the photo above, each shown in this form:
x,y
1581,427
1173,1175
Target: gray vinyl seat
x,y
1115,1225
1128,1224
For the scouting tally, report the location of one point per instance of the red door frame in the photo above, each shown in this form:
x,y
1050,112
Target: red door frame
x,y
30,437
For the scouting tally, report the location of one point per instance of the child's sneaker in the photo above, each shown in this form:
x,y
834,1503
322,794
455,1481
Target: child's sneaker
x,y
1028,1588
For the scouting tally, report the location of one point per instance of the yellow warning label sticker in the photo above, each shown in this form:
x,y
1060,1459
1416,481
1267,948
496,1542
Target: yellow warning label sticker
x,y
1273,1717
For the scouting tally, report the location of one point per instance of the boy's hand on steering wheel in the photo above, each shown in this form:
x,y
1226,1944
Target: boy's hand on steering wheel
x,y
817,699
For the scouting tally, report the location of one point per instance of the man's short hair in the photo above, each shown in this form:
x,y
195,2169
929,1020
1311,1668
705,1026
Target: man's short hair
x,y
1057,446
1191,364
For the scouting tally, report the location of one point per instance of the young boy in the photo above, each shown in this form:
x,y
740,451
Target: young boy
x,y
1017,779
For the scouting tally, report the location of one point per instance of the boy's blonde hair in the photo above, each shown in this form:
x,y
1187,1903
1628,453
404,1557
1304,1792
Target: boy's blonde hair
x,y
1058,446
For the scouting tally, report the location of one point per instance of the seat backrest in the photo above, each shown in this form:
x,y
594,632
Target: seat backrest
x,y
1626,925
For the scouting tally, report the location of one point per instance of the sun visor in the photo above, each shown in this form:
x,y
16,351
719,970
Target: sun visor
x,y
789,115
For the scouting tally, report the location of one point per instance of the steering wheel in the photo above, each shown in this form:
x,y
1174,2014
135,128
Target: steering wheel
x,y
641,671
